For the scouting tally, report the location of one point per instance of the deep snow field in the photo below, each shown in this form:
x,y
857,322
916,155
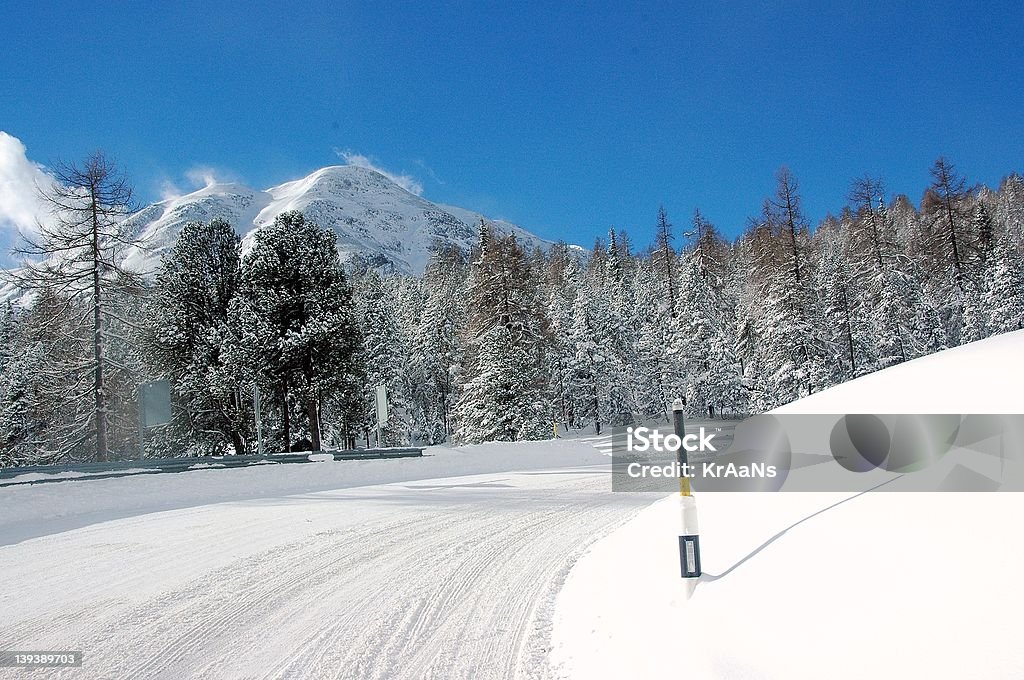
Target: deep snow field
x,y
882,585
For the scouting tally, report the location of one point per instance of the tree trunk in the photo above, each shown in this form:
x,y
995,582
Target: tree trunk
x,y
237,443
312,412
669,279
97,341
285,420
791,218
314,423
796,256
444,411
849,333
953,243
875,239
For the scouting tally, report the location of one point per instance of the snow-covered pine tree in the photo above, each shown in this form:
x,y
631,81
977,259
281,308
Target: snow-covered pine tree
x,y
188,325
709,249
23,412
974,324
438,356
297,330
505,390
948,236
584,366
614,264
704,348
982,227
1009,207
665,257
842,305
791,347
42,421
386,358
866,282
560,291
652,371
616,334
1004,289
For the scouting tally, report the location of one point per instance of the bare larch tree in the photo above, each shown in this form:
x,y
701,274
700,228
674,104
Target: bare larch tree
x,y
75,255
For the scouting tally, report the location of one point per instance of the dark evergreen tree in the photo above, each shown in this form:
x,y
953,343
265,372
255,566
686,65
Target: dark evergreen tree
x,y
189,326
666,256
297,331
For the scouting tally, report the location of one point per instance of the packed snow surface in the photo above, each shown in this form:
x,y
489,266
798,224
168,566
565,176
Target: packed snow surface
x,y
820,585
445,566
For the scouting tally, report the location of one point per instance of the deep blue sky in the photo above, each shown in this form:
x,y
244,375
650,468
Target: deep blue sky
x,y
565,120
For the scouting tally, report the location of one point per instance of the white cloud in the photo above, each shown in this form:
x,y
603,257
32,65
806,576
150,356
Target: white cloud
x,y
201,176
168,189
21,206
196,177
407,182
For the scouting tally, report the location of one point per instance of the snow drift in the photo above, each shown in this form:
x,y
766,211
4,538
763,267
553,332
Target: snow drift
x,y
881,585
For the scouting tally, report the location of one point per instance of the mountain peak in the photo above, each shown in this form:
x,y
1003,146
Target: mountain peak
x,y
373,217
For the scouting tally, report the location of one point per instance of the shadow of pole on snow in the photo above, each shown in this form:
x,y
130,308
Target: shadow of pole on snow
x,y
714,577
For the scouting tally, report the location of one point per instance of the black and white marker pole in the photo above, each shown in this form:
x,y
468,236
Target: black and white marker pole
x,y
689,539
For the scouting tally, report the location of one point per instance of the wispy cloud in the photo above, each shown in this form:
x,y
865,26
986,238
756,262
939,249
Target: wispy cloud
x,y
168,189
429,170
197,177
407,182
200,176
21,207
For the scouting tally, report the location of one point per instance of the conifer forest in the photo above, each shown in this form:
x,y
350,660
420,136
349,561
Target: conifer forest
x,y
500,343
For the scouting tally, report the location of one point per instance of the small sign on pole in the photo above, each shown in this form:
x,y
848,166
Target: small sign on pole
x,y
381,393
154,408
689,554
382,405
259,418
155,400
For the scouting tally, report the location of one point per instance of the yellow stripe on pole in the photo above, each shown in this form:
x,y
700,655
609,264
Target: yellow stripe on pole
x,y
684,486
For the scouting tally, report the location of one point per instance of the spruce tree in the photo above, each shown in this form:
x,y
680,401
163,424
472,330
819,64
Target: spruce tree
x,y
505,393
189,327
386,358
1004,289
297,332
666,256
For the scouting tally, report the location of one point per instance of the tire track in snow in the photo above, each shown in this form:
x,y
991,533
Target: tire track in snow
x,y
443,581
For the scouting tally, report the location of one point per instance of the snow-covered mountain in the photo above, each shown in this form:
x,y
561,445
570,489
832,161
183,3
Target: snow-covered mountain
x,y
374,217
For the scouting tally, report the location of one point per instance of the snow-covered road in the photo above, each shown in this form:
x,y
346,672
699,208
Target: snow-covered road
x,y
450,578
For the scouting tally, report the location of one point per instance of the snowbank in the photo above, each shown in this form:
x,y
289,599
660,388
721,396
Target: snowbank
x,y
980,377
882,585
886,585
